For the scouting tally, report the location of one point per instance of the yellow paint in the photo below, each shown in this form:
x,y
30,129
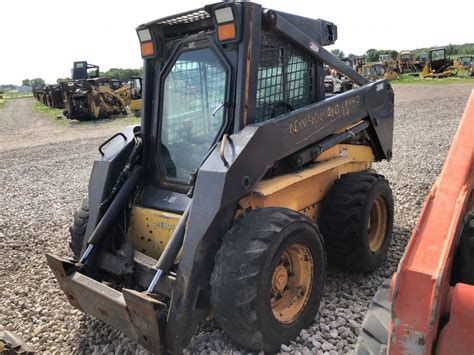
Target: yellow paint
x,y
150,230
354,152
136,105
304,190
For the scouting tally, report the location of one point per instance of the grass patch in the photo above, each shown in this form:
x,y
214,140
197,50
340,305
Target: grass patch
x,y
56,116
2,102
17,95
408,79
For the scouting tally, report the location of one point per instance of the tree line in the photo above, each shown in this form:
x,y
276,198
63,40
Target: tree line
x,y
123,75
372,55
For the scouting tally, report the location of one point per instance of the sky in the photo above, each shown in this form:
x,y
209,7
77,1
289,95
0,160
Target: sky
x,y
44,38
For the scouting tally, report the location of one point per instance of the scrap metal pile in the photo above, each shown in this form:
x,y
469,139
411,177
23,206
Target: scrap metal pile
x,y
86,98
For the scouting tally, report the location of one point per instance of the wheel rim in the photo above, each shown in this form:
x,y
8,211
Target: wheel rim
x,y
291,283
377,224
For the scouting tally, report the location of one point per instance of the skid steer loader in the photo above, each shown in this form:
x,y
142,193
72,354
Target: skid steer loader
x,y
239,181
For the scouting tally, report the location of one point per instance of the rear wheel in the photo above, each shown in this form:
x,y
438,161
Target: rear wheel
x,y
268,278
357,220
78,228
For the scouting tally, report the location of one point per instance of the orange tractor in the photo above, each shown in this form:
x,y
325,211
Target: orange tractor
x,y
428,305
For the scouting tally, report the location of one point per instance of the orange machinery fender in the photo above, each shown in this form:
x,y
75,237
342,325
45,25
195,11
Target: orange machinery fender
x,y
457,336
421,285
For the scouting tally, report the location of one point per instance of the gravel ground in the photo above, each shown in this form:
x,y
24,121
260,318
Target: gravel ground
x,y
44,172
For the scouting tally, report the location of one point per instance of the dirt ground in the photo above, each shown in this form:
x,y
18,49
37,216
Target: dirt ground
x,y
44,172
22,127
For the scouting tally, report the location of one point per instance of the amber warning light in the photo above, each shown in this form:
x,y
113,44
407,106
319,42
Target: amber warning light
x,y
226,29
146,43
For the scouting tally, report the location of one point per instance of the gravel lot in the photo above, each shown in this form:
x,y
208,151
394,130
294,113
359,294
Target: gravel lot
x,y
44,173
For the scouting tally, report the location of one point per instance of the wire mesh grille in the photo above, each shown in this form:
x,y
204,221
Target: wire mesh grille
x,y
186,18
285,78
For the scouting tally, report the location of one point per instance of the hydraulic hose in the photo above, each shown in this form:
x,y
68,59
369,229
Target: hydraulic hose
x,y
114,210
171,250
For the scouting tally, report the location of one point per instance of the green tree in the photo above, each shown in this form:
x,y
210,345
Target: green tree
x,y
36,83
372,55
351,56
122,74
26,82
338,53
452,49
62,80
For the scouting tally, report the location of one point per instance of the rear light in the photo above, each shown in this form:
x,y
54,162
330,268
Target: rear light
x,y
224,15
227,22
226,32
144,35
146,43
147,49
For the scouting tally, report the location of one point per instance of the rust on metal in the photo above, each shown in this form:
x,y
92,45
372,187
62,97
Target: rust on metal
x,y
132,312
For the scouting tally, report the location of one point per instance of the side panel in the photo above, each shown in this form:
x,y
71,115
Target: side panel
x,y
105,172
304,189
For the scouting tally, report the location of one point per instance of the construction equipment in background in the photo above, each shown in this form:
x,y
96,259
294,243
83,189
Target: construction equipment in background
x,y
84,70
239,181
470,70
336,84
377,71
358,63
39,94
462,62
389,67
54,96
438,65
428,307
88,99
406,62
421,61
49,95
136,95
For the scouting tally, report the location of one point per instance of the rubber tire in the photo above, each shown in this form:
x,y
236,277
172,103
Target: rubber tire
x,y
373,335
241,279
344,217
78,228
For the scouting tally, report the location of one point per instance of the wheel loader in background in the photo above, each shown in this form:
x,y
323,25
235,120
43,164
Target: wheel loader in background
x,y
240,181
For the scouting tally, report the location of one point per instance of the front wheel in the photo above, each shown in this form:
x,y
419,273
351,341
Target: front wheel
x,y
268,278
78,228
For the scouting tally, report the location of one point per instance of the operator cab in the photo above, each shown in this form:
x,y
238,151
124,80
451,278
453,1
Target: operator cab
x,y
195,63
